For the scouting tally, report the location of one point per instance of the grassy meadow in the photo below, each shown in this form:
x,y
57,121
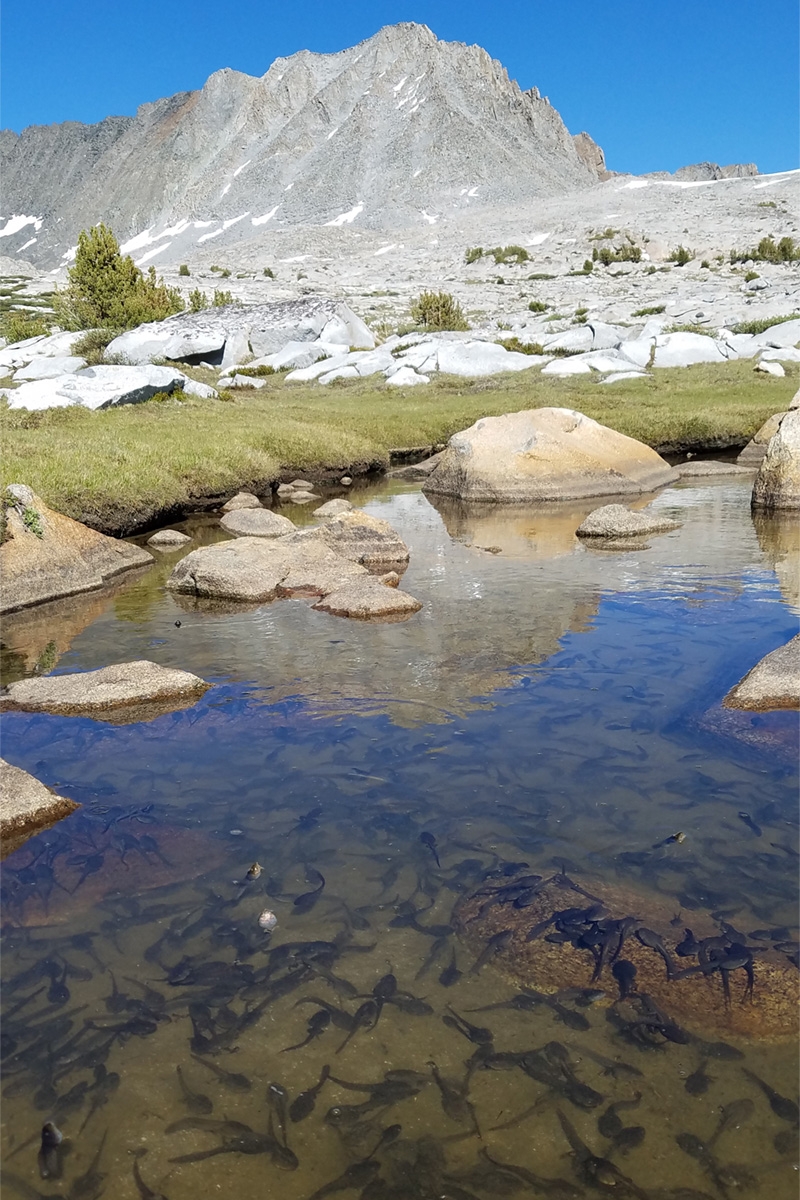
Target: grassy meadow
x,y
121,469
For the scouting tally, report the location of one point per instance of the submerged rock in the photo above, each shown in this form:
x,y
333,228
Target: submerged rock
x,y
774,682
361,538
617,521
109,692
26,804
777,484
545,454
47,555
256,522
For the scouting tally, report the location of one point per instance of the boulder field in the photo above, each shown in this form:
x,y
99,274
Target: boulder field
x,y
545,454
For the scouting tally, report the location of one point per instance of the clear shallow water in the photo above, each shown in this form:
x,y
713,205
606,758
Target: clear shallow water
x,y
551,704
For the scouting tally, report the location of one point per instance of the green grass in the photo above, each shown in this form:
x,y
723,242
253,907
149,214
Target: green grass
x,y
760,324
121,468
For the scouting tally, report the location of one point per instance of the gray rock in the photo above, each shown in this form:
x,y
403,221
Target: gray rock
x,y
545,454
617,521
254,382
684,349
26,804
621,376
97,387
256,570
698,468
49,367
580,337
66,560
256,522
168,539
369,599
237,349
102,694
332,508
241,500
405,377
605,337
298,496
772,683
416,471
777,484
785,334
203,391
756,448
361,538
574,365
770,368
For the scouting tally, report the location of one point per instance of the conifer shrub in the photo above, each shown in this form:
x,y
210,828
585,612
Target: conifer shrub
x,y
18,326
269,273
198,300
505,255
537,306
680,256
183,269
473,255
438,310
107,289
220,299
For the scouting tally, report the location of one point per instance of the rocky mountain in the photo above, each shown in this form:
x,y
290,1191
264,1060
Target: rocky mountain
x,y
395,132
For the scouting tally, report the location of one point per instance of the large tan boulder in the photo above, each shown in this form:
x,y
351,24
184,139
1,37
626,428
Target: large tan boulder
x,y
756,448
777,484
47,556
545,454
108,691
367,599
774,682
26,804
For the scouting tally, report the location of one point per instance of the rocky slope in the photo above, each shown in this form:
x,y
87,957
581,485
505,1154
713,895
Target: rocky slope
x,y
392,132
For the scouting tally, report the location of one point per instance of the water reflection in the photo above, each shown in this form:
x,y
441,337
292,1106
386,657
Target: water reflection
x,y
548,707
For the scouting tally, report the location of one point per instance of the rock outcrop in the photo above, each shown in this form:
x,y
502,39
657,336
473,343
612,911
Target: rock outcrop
x,y
617,521
774,682
46,555
777,484
756,448
26,804
545,454
125,692
233,333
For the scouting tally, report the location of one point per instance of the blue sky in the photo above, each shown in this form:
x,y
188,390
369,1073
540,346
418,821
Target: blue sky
x,y
657,85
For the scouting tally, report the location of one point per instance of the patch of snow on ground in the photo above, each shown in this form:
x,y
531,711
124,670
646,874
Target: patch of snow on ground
x,y
385,249
417,172
152,253
226,189
202,224
427,217
17,222
136,243
536,239
332,132
399,86
289,186
208,236
266,217
242,167
297,258
634,183
234,220
29,242
348,217
473,191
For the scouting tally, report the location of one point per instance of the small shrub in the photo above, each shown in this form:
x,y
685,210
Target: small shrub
x,y
259,372
198,300
555,317
651,270
505,255
269,273
215,268
588,266
473,254
541,275
220,299
680,256
513,343
580,316
652,311
766,204
92,345
183,269
749,276
225,274
226,396
537,306
438,310
705,264
503,325
691,327
17,326
761,323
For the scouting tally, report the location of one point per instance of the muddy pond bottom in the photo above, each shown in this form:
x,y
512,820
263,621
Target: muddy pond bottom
x,y
243,967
